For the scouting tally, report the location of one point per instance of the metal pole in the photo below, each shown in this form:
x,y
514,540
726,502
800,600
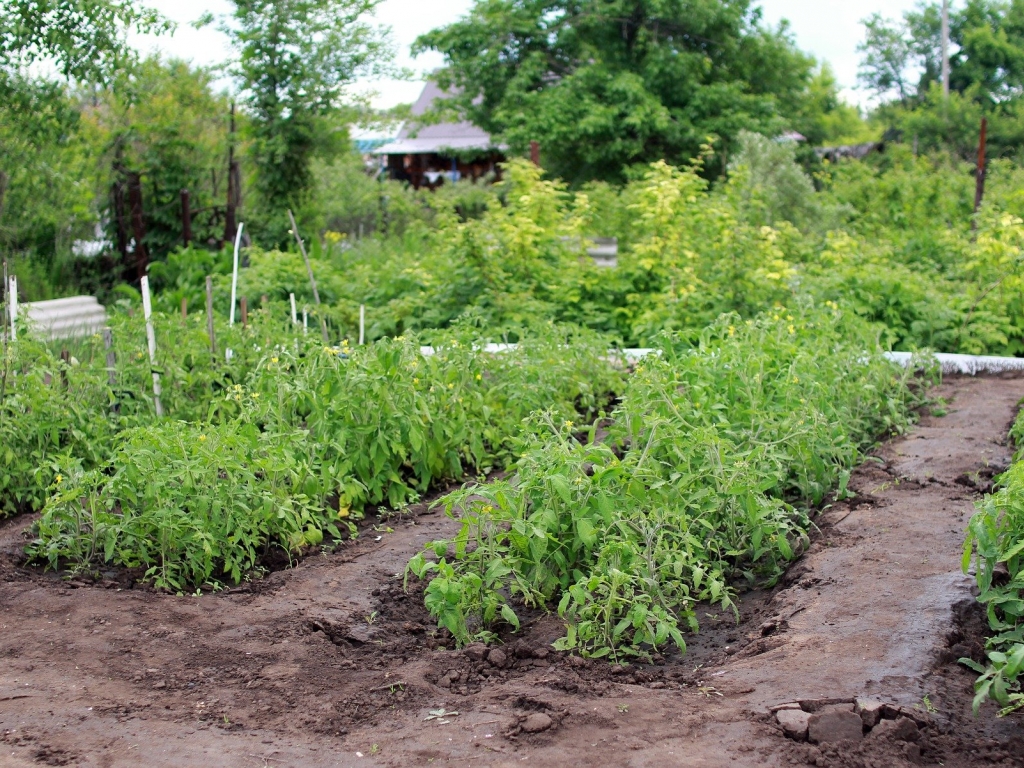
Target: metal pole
x,y
147,309
309,269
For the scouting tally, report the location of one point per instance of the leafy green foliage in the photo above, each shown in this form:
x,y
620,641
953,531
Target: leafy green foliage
x,y
995,541
190,503
282,443
87,40
605,85
714,451
295,57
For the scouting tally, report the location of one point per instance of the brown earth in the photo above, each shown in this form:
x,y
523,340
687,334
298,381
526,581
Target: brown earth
x,y
331,663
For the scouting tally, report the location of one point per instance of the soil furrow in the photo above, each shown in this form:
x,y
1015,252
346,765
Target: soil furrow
x,y
332,663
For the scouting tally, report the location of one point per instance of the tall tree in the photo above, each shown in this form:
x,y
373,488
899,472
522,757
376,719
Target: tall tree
x,y
295,59
605,84
86,39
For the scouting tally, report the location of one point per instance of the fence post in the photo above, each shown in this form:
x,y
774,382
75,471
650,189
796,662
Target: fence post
x,y
147,309
362,324
291,298
309,269
184,309
209,315
305,320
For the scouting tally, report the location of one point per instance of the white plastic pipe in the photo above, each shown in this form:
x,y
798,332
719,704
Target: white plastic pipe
x,y
147,311
12,287
362,324
305,320
234,275
295,319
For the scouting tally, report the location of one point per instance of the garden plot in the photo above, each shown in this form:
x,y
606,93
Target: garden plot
x,y
332,663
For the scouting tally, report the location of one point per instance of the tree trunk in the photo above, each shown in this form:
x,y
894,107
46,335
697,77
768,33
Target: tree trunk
x,y
138,223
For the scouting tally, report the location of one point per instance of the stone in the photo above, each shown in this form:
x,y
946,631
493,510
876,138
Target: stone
x,y
903,729
537,722
475,651
787,705
835,723
870,711
794,723
497,657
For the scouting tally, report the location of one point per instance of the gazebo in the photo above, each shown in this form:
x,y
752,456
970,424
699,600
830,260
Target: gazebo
x,y
427,155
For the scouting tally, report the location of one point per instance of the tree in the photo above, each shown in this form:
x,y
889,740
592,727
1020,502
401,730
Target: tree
x,y
163,122
902,65
86,39
295,59
607,84
888,56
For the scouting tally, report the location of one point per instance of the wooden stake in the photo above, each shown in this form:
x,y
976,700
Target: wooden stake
x,y
535,153
147,310
65,357
209,315
265,303
12,306
186,218
234,276
979,187
309,269
184,309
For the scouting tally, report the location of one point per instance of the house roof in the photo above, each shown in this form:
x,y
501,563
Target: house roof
x,y
423,139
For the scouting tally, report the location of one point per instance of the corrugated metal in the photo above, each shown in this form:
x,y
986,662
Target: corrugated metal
x,y
65,318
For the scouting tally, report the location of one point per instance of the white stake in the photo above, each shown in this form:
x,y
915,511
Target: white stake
x,y
305,320
362,323
291,297
147,310
234,276
13,288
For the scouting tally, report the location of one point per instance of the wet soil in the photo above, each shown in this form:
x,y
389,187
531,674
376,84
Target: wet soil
x,y
333,663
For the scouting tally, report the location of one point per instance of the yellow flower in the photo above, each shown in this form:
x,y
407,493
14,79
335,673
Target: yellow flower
x,y
732,330
343,512
451,386
255,394
791,328
478,377
415,380
202,438
568,424
273,359
60,479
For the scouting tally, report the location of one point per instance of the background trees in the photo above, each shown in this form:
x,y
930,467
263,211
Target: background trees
x,y
606,85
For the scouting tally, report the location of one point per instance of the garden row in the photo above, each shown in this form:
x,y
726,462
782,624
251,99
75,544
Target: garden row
x,y
281,445
995,543
717,452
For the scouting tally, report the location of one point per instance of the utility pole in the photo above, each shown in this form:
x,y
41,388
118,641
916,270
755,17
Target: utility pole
x,y
945,49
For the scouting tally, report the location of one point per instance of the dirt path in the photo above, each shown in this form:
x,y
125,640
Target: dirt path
x,y
331,664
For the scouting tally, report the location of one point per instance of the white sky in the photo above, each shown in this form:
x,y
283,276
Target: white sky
x,y
828,29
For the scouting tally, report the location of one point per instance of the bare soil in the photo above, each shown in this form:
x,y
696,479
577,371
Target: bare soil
x,y
332,663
